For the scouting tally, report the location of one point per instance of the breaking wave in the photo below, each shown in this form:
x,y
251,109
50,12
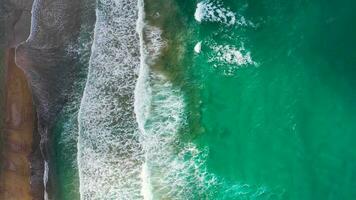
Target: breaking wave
x,y
215,11
130,139
226,57
109,151
172,170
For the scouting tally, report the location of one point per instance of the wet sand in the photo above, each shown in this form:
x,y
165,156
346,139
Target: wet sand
x,y
17,134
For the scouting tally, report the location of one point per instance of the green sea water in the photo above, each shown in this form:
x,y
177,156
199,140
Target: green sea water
x,y
247,100
270,93
65,131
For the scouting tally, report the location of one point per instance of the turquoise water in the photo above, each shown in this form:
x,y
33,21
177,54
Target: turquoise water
x,y
228,99
269,93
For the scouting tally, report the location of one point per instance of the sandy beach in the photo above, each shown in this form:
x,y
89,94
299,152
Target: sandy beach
x,y
17,134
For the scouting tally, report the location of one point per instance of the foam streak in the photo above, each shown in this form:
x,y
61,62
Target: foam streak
x,y
109,151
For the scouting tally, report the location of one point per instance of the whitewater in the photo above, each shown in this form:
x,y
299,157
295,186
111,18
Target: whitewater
x,y
109,151
128,129
131,116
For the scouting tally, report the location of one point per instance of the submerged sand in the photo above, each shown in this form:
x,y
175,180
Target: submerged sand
x,y
17,135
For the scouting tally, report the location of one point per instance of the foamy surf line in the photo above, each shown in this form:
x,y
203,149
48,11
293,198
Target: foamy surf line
x,y
142,97
171,169
128,128
109,152
159,108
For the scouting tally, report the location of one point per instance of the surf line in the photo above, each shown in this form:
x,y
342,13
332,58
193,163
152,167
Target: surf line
x,y
141,97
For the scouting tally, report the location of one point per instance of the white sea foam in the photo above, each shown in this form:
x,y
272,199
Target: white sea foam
x,y
120,156
34,23
45,179
231,55
197,47
199,12
174,170
215,11
142,97
229,58
171,170
146,189
109,151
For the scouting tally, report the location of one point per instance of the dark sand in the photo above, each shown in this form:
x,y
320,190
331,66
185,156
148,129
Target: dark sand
x,y
17,134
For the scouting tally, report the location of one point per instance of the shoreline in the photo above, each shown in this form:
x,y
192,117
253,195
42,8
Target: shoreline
x,y
18,134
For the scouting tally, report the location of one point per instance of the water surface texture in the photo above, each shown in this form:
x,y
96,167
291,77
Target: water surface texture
x,y
213,99
253,100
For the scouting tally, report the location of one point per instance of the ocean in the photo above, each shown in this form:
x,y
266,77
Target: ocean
x,y
218,100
